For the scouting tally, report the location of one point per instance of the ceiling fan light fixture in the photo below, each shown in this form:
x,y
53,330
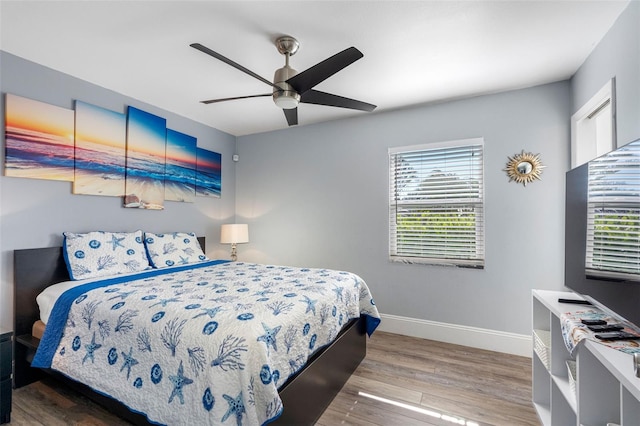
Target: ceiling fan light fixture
x,y
286,99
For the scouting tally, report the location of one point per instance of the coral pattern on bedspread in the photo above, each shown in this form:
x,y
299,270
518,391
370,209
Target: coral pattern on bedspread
x,y
208,344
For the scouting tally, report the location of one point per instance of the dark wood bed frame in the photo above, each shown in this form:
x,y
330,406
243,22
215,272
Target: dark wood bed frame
x,y
304,396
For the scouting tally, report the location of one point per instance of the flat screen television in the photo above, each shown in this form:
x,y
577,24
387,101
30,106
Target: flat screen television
x,y
602,231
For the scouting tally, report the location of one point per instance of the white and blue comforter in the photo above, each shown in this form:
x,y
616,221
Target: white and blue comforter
x,y
203,344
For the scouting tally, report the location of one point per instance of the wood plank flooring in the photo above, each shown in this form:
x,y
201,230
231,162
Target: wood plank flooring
x,y
402,381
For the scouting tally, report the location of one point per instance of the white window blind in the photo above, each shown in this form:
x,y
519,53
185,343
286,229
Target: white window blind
x,y
613,218
436,203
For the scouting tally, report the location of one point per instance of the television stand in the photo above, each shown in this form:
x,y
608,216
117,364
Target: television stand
x,y
606,388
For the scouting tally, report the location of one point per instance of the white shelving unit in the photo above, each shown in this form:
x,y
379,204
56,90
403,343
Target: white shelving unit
x,y
607,390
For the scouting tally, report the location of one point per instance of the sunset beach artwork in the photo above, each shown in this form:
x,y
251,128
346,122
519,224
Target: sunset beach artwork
x,y
180,169
209,174
100,151
39,140
146,144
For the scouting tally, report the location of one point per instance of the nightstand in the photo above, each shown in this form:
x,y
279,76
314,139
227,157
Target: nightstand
x,y
6,361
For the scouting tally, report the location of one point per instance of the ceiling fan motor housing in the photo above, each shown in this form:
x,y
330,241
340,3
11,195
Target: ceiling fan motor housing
x,y
287,98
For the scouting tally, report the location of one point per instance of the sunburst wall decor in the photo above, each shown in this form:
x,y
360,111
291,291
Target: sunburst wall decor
x,y
524,168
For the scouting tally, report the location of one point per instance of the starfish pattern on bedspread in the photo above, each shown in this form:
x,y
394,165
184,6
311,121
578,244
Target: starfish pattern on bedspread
x,y
211,312
179,381
269,336
236,407
116,242
338,291
129,361
91,347
311,304
165,302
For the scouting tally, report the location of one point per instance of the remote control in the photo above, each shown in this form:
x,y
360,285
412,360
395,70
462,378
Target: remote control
x,y
574,301
606,327
593,322
616,335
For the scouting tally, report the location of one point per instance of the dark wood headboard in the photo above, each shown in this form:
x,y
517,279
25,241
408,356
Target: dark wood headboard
x,y
33,271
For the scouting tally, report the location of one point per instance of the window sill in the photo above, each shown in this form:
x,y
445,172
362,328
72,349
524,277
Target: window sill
x,y
437,262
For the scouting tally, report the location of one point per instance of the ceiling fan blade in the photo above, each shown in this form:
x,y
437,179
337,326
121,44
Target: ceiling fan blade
x,y
228,61
213,101
323,70
291,116
323,98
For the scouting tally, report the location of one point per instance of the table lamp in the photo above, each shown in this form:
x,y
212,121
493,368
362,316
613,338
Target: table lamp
x,y
234,233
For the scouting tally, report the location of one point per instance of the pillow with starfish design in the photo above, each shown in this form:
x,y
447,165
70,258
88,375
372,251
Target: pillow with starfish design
x,y
99,253
173,249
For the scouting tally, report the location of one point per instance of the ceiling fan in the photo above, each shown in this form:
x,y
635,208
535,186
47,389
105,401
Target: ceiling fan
x,y
290,87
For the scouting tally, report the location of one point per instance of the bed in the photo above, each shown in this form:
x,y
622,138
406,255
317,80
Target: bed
x,y
304,395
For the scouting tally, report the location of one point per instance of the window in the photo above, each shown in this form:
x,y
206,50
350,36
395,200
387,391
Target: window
x,y
436,207
613,217
593,131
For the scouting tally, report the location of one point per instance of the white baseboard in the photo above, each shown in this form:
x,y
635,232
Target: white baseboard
x,y
482,338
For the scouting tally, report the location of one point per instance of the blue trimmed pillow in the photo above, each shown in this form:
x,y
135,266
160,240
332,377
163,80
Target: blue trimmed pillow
x,y
176,248
99,254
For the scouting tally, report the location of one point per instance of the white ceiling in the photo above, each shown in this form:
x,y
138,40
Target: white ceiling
x,y
414,51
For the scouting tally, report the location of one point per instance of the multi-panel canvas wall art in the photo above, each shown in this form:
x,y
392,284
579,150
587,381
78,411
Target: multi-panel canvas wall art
x,y
100,151
146,145
107,153
208,173
180,169
39,140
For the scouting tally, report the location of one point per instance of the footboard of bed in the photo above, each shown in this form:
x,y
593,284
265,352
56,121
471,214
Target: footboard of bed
x,y
306,396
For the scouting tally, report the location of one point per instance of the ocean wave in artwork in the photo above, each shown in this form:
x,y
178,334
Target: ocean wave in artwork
x,y
99,171
208,185
145,166
179,183
43,157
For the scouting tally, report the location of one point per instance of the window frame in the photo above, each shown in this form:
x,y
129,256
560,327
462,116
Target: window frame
x,y
593,126
476,204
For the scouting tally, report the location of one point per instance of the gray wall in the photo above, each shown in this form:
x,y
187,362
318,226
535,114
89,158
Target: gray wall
x,y
617,55
34,213
318,196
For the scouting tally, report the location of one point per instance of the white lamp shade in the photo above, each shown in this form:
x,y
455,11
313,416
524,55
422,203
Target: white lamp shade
x,y
234,233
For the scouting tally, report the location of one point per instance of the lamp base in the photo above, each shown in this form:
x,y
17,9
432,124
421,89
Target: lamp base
x,y
234,252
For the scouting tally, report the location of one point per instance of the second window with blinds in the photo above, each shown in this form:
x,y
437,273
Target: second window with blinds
x,y
436,203
613,214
